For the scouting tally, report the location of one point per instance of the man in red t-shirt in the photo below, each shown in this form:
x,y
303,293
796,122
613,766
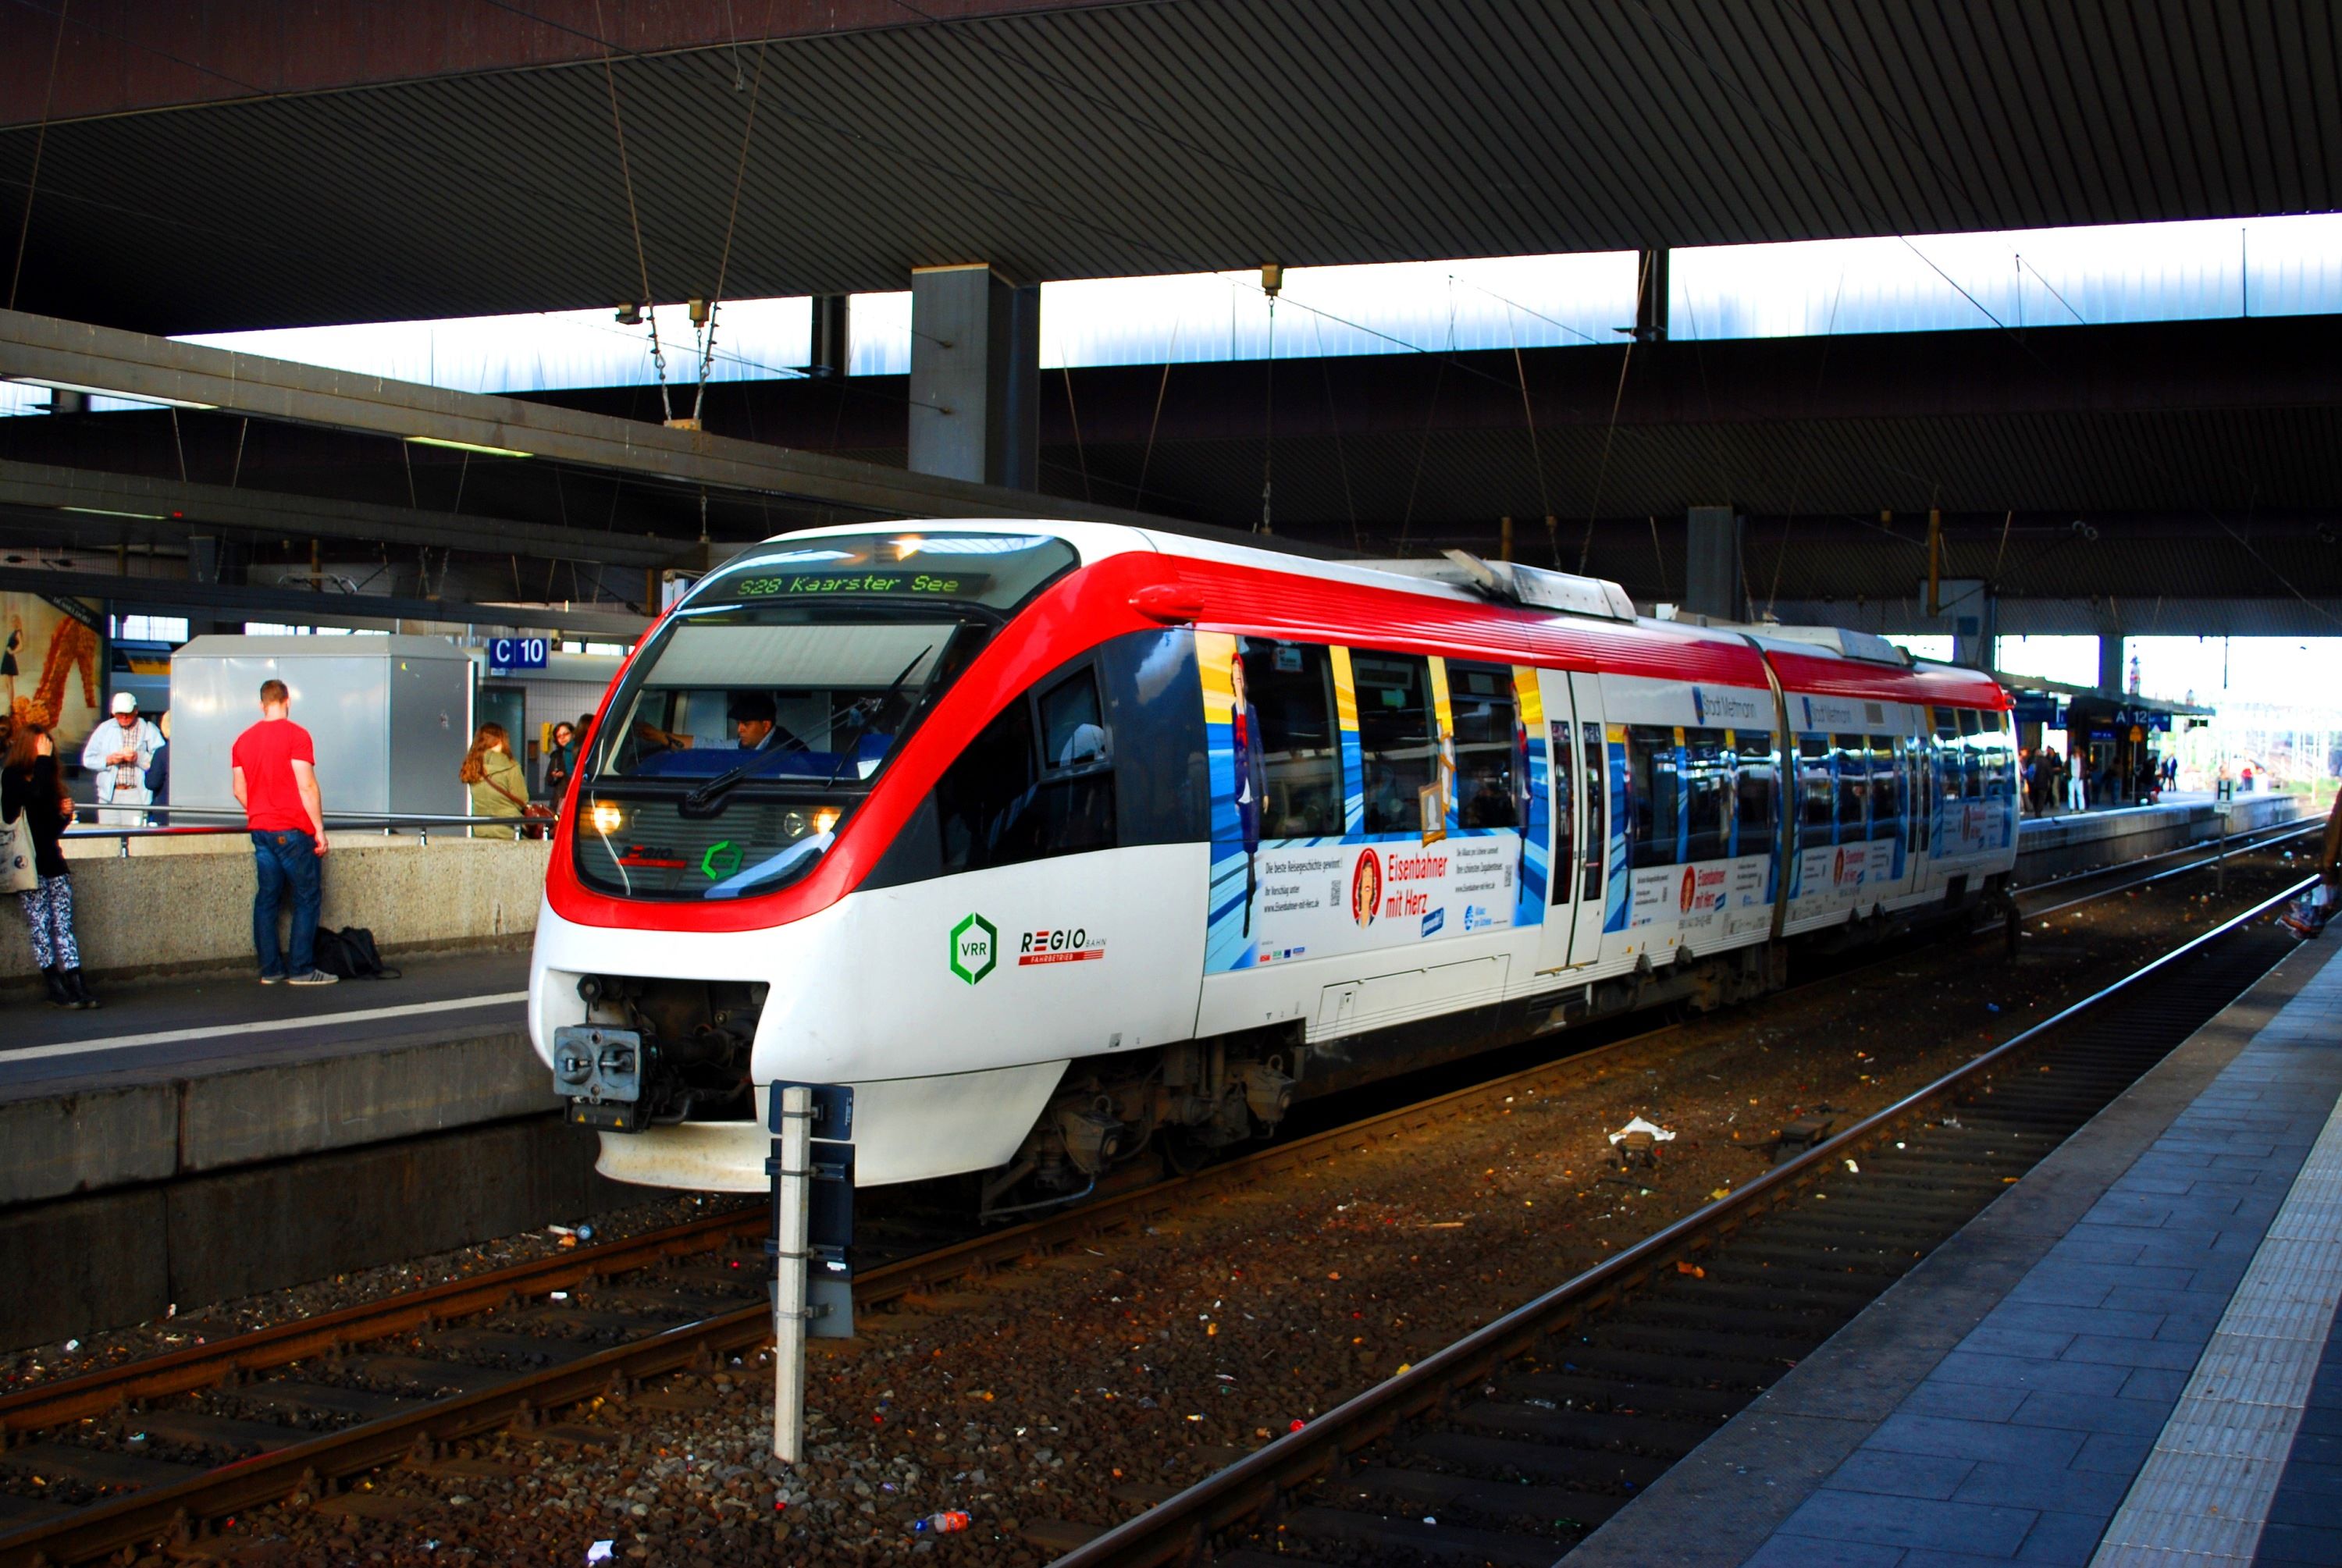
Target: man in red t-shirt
x,y
276,784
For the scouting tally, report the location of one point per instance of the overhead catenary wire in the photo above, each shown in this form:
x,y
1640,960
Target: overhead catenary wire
x,y
732,218
634,214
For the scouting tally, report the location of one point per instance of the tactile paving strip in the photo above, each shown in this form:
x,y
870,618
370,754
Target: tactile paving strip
x,y
2203,1496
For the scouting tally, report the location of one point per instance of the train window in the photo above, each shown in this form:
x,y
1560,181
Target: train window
x,y
1290,689
1708,795
1885,789
1002,804
1654,764
1757,782
1596,842
2000,756
1853,788
1564,756
1398,741
1972,754
1950,777
1071,731
1815,806
1481,707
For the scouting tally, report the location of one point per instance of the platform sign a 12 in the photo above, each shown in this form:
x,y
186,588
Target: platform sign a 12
x,y
516,653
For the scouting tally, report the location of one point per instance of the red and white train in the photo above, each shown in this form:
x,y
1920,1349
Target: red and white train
x,y
1062,842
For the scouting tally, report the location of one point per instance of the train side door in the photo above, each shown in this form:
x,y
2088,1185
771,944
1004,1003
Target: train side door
x,y
1598,809
1563,809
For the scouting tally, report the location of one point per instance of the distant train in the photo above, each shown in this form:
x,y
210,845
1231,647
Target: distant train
x,y
1064,843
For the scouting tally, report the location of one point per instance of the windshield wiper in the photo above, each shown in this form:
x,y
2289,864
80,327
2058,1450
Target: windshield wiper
x,y
884,698
709,798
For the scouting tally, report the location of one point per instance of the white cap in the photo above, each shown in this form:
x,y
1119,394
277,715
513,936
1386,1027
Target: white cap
x,y
124,703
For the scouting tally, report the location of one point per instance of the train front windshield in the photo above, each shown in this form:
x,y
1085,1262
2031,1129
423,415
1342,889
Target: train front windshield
x,y
748,731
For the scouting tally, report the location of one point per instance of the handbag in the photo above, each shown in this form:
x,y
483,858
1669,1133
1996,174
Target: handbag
x,y
535,819
18,872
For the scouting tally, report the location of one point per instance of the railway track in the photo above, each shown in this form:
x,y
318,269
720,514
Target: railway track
x,y
1513,1445
149,1450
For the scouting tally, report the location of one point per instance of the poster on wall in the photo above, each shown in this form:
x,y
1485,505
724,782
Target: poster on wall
x,y
51,670
1279,895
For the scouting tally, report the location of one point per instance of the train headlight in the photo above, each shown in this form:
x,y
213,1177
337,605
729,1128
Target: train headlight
x,y
608,818
824,819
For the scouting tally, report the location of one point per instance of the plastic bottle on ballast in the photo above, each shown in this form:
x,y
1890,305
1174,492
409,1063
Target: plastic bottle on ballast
x,y
942,1523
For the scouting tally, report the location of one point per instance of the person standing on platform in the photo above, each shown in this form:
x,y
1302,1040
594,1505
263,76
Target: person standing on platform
x,y
32,795
275,782
158,774
2078,785
560,761
498,786
2329,854
116,755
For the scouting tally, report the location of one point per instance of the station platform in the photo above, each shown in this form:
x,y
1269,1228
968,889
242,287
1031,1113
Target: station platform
x,y
2062,842
138,1143
2131,1357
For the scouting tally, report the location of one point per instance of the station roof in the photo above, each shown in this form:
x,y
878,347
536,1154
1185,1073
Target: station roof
x,y
208,169
2048,687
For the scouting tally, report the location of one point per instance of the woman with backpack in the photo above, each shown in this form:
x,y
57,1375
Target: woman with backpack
x,y
499,786
33,801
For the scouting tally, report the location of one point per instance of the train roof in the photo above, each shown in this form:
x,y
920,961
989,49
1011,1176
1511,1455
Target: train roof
x,y
1505,614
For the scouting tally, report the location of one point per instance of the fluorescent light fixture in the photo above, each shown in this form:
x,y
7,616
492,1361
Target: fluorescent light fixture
x,y
110,392
109,512
469,447
964,544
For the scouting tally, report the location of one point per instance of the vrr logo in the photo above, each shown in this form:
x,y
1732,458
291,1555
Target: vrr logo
x,y
974,948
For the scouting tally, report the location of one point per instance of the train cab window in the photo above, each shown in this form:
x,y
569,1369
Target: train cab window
x,y
1398,740
1756,781
1565,773
1708,795
1036,782
1290,689
1654,768
1594,841
1817,803
1481,707
1071,731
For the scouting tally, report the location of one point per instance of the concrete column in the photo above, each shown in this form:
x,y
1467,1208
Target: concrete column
x,y
1712,562
1976,625
832,349
976,373
2113,676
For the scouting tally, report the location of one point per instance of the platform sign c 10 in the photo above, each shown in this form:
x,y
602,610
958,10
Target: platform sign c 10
x,y
516,653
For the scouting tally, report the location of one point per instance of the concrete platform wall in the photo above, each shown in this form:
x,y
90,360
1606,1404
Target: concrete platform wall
x,y
83,1264
88,1138
2060,846
181,906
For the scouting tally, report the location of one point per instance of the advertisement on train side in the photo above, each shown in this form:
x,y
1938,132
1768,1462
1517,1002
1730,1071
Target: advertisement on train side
x,y
1334,832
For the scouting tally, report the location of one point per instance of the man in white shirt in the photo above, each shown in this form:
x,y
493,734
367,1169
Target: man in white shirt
x,y
116,755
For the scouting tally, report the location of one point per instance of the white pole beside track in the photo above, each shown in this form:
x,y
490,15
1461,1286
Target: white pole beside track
x,y
792,1201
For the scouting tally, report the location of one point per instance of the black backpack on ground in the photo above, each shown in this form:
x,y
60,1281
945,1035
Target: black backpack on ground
x,y
350,954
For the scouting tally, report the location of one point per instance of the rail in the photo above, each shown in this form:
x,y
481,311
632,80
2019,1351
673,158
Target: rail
x,y
233,822
1177,1529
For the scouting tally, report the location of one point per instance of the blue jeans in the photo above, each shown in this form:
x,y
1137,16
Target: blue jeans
x,y
283,862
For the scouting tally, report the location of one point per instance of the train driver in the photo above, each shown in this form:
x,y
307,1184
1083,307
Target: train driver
x,y
755,721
